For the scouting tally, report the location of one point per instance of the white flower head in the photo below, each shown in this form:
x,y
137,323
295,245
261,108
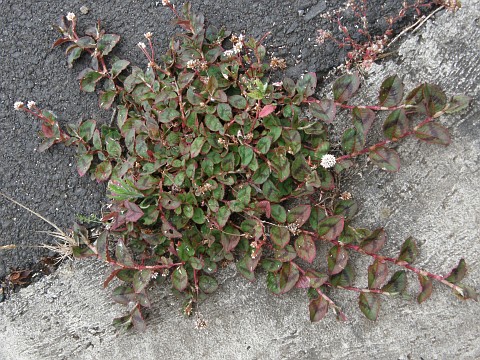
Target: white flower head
x,y
18,105
328,161
142,45
165,2
31,104
228,53
148,35
71,16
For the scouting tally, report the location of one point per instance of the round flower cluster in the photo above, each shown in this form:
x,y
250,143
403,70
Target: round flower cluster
x,y
328,161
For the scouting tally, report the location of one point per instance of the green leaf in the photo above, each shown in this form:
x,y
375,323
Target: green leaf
x,y
397,283
107,98
409,251
207,284
123,189
377,274
331,227
306,84
113,148
180,278
289,275
123,295
280,236
103,171
458,273
83,163
238,102
369,305
271,265
293,140
435,98
391,91
141,279
261,175
86,42
73,55
353,140
184,79
363,120
222,216
286,254
316,278
396,124
385,158
89,80
458,103
169,201
246,267
118,66
337,259
374,242
86,129
318,308
426,284
168,115
345,87
246,154
344,278
214,124
299,215
107,42
433,133
278,213
264,144
300,169
196,146
224,112
324,110
198,216
305,247
346,208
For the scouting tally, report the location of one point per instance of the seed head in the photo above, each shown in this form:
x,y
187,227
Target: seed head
x,y
18,105
148,35
328,161
31,104
165,2
71,16
142,45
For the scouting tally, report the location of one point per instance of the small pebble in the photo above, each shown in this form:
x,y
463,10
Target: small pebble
x,y
84,10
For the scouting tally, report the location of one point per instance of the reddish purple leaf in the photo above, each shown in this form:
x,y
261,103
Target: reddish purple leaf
x,y
426,285
337,259
433,133
373,243
299,215
134,212
385,158
305,247
289,276
267,110
377,274
318,308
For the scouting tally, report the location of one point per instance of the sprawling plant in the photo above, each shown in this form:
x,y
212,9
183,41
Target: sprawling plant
x,y
210,163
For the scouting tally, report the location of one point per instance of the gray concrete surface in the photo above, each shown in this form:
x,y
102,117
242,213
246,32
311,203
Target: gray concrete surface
x,y
434,197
